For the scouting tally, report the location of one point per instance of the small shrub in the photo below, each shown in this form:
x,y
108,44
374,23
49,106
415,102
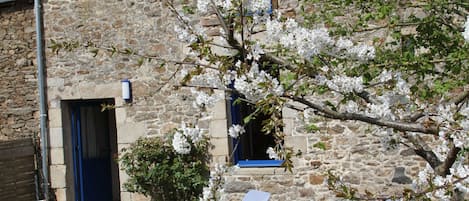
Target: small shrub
x,y
158,171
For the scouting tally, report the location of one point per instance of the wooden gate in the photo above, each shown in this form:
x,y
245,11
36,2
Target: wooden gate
x,y
17,170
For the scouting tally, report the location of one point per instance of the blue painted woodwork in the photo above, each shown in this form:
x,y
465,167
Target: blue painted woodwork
x,y
91,168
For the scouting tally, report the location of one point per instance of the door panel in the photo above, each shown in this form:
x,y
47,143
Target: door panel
x,y
92,141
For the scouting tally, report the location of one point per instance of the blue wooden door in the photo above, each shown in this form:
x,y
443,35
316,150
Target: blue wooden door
x,y
91,152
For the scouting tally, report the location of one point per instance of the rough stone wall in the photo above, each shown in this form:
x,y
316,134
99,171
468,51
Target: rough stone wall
x,y
19,116
354,151
142,26
147,27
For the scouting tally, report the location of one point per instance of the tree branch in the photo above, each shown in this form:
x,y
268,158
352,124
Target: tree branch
x,y
400,126
422,150
443,169
459,99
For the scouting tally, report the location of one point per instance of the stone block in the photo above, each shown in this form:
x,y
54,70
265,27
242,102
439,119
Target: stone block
x,y
55,82
222,160
121,115
55,118
55,138
123,177
139,197
289,125
129,132
57,156
297,142
218,128
219,110
238,187
126,196
109,90
220,147
209,21
288,113
88,91
57,176
255,171
400,177
60,194
316,179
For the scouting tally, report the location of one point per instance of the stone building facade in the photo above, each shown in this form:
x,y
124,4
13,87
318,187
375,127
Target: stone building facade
x,y
79,78
19,116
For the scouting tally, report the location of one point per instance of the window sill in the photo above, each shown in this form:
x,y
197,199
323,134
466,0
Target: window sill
x,y
259,163
260,171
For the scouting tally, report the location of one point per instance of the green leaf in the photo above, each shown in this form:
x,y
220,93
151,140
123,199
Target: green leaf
x,y
311,128
320,145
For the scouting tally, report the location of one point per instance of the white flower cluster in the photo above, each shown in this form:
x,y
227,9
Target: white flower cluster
x,y
383,108
457,172
272,153
180,143
256,52
350,107
184,35
258,5
215,184
183,138
210,78
203,6
256,84
465,122
236,130
290,35
362,52
465,34
310,42
402,87
384,76
342,83
203,99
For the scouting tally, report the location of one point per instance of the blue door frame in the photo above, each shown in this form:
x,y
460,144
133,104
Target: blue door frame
x,y
92,174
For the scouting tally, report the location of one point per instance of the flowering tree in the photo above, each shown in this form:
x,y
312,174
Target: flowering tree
x,y
410,85
409,77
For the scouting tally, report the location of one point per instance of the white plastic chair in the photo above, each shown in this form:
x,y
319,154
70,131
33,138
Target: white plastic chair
x,y
254,195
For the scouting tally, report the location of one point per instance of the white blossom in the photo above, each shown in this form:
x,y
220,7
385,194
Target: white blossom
x,y
402,87
439,181
465,34
445,112
204,99
343,44
350,107
258,5
195,134
180,143
362,52
184,35
236,130
385,76
250,84
308,114
272,153
215,184
342,83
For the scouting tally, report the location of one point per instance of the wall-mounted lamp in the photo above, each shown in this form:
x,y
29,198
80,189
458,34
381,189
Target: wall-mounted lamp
x,y
126,90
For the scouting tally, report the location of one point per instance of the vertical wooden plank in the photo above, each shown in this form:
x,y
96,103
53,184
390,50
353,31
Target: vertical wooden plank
x,y
17,170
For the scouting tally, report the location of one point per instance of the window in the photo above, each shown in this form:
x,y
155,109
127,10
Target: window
x,y
250,148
